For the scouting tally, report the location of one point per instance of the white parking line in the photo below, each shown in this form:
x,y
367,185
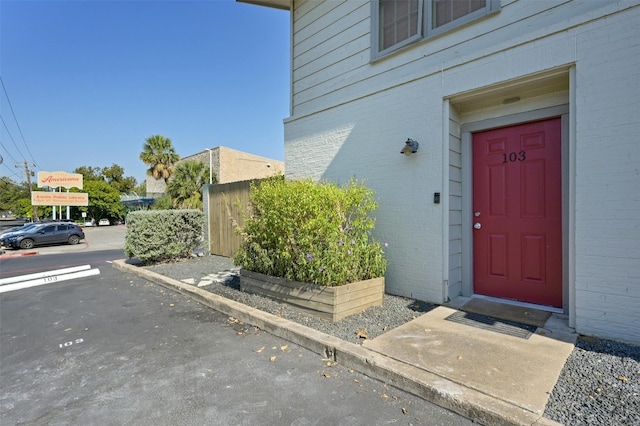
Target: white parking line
x,y
48,280
43,274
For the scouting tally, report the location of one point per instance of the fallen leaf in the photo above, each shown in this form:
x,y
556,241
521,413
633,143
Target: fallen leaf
x,y
384,396
284,348
273,358
623,379
326,375
362,333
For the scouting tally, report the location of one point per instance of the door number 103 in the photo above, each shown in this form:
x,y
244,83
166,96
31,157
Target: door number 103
x,y
514,156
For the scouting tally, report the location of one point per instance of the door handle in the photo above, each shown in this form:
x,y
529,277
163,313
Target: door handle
x,y
477,225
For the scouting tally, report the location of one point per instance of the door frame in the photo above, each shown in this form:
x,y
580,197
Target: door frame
x,y
467,131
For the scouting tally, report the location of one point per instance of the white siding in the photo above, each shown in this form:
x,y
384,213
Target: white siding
x,y
351,117
455,206
608,178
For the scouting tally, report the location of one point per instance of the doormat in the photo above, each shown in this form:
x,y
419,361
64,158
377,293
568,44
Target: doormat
x,y
507,312
484,322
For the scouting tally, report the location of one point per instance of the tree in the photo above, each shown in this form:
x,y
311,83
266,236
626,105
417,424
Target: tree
x,y
10,195
89,173
162,203
114,176
158,153
140,189
185,189
104,200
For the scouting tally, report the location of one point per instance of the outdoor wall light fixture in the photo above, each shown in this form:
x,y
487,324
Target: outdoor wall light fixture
x,y
410,147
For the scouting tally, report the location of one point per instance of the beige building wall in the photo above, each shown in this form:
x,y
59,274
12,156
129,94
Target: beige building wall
x,y
237,166
230,165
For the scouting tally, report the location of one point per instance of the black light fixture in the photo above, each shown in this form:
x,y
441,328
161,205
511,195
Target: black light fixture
x,y
410,147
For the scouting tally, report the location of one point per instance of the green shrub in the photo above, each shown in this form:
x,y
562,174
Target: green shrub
x,y
163,235
314,232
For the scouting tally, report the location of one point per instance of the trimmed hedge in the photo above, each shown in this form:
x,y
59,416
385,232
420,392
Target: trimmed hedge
x,y
163,235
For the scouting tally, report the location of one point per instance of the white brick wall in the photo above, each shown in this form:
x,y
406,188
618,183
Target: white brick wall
x,y
352,120
608,178
367,146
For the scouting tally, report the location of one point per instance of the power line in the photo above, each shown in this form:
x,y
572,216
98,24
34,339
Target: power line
x,y
5,148
12,140
16,120
12,173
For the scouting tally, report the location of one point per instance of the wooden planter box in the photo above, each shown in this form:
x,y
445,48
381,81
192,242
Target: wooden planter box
x,y
330,303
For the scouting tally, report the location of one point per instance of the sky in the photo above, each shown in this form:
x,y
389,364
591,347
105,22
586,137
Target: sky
x,y
85,82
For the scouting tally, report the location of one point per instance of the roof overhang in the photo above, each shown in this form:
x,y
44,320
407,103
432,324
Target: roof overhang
x,y
277,4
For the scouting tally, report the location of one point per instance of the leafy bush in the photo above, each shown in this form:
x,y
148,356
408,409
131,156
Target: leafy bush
x,y
314,232
163,235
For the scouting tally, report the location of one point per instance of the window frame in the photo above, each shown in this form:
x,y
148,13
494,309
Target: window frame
x,y
425,25
375,13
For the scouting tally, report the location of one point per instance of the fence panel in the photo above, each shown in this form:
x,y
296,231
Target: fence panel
x,y
227,202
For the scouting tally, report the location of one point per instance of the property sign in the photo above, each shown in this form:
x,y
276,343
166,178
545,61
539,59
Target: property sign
x,y
42,198
57,179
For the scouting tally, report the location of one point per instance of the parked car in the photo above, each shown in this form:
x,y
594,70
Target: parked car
x,y
104,222
15,230
45,233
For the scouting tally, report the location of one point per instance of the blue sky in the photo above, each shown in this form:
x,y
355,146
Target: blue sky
x,y
89,81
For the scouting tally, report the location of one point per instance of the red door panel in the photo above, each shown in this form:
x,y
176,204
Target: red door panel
x,y
517,237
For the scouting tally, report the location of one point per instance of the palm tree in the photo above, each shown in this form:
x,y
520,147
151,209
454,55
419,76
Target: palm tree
x,y
158,153
185,189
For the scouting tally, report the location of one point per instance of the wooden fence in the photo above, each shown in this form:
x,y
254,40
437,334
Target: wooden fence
x,y
227,203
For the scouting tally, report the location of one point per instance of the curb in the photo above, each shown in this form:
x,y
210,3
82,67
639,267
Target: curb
x,y
470,403
28,253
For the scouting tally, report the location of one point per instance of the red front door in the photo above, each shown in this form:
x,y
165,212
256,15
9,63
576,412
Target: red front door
x,y
517,213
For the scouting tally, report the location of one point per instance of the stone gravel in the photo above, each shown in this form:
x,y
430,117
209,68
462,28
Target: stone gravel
x,y
599,384
225,281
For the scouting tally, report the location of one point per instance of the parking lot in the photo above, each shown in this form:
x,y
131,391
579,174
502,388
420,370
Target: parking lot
x,y
96,238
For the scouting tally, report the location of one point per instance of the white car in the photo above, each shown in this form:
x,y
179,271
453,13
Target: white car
x,y
103,222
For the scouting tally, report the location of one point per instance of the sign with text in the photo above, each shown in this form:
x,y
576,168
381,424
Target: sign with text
x,y
41,198
57,179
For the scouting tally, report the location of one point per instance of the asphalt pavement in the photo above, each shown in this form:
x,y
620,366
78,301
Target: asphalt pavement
x,y
114,349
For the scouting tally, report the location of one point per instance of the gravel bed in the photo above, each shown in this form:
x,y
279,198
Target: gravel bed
x,y
370,323
599,384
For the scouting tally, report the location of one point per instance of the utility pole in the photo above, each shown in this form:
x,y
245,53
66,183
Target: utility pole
x,y
29,173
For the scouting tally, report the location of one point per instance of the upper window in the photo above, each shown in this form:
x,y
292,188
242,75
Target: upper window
x,y
400,22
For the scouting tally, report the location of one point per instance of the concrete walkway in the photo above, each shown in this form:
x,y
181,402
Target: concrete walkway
x,y
489,377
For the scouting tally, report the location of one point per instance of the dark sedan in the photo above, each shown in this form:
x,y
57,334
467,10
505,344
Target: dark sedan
x,y
44,234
